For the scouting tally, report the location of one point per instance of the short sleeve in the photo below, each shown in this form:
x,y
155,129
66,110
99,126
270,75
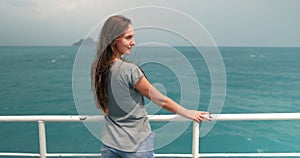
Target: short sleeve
x,y
136,75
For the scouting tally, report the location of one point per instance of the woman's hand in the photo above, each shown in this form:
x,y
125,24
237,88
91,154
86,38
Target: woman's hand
x,y
200,116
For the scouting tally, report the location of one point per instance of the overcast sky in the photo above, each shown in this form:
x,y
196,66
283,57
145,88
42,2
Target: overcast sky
x,y
229,22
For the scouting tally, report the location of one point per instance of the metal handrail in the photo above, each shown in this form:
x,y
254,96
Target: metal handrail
x,y
41,119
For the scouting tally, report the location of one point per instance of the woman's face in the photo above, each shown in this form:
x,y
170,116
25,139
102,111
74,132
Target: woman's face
x,y
125,42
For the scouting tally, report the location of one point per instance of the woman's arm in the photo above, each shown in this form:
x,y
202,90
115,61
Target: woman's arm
x,y
149,91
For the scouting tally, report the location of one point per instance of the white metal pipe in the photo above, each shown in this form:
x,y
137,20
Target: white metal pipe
x,y
173,155
42,139
161,155
51,118
20,154
81,118
256,116
72,155
159,118
195,147
250,155
153,118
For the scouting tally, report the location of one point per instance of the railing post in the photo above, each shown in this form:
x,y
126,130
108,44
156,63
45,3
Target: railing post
x,y
42,139
195,147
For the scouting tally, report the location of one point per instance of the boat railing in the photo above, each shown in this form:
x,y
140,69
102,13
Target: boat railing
x,y
41,119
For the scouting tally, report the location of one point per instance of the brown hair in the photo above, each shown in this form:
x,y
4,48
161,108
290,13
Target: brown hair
x,y
114,27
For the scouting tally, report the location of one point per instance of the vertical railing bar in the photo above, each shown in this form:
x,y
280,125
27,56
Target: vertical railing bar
x,y
42,139
195,145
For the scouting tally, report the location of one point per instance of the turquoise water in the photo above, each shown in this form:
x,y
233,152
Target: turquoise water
x,y
38,81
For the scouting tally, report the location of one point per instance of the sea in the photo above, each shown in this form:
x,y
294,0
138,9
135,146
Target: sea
x,y
37,80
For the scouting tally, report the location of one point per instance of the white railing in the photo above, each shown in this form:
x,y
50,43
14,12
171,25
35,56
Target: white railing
x,y
154,118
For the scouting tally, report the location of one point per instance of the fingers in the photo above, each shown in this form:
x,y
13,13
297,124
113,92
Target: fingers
x,y
201,116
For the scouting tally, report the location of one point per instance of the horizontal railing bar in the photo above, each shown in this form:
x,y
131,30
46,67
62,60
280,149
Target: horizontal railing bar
x,y
72,155
256,116
153,118
20,154
50,118
173,155
97,155
249,155
202,155
81,118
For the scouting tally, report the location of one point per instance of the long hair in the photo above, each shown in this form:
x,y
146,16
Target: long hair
x,y
114,27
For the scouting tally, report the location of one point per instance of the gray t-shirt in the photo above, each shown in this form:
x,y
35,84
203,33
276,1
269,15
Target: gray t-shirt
x,y
127,124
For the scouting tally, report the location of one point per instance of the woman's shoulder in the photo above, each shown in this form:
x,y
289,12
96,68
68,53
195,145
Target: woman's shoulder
x,y
128,65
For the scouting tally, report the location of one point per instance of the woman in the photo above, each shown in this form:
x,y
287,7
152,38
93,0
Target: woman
x,y
119,88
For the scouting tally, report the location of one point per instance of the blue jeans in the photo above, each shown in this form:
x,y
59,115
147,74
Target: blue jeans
x,y
145,150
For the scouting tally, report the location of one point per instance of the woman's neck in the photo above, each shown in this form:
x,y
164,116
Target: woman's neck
x,y
116,57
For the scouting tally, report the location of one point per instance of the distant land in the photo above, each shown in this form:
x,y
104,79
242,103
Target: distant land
x,y
85,42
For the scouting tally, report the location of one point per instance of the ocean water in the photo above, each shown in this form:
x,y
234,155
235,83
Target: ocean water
x,y
38,81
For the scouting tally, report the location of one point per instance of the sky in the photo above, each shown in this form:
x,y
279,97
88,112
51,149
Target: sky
x,y
229,22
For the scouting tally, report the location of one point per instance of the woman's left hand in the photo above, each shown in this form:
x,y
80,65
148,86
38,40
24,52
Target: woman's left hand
x,y
201,116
